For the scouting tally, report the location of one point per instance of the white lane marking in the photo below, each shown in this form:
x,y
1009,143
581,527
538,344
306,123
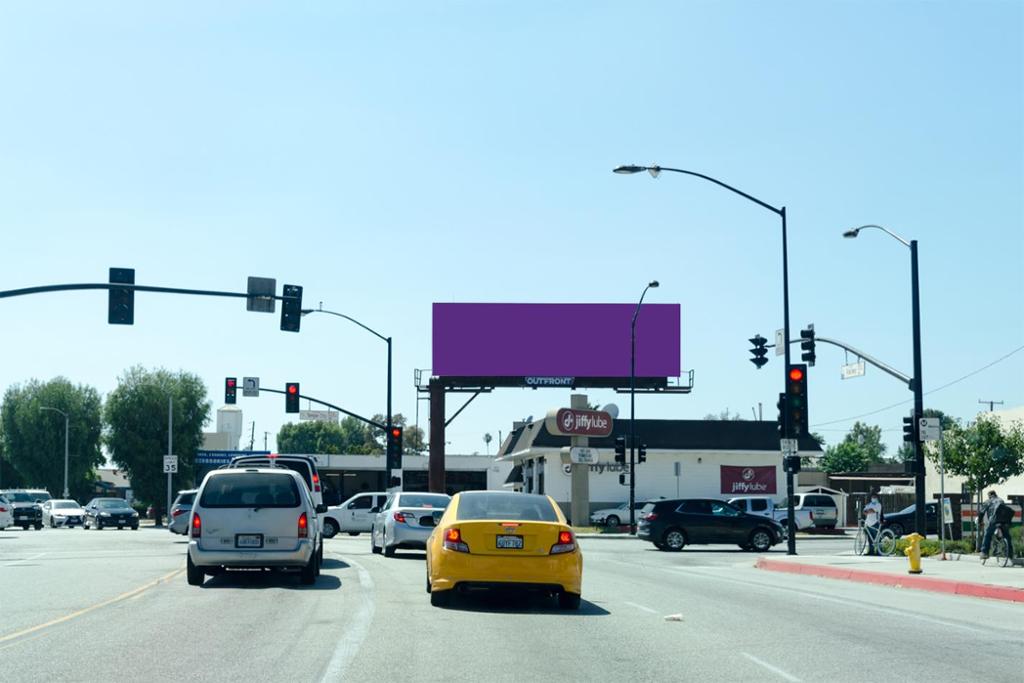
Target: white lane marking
x,y
774,669
640,607
355,632
27,559
839,601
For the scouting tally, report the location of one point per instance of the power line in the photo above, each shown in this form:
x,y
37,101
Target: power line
x,y
911,400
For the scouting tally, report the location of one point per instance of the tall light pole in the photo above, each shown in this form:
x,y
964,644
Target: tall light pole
x,y
66,429
387,417
788,429
915,306
632,409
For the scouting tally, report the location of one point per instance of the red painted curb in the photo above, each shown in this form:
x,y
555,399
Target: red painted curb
x,y
925,583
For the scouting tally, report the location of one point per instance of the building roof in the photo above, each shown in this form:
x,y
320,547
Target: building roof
x,y
671,435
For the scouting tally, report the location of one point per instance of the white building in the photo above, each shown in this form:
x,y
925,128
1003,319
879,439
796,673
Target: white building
x,y
685,458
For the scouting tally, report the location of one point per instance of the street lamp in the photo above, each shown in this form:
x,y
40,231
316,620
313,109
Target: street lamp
x,y
387,420
915,304
66,428
655,171
632,409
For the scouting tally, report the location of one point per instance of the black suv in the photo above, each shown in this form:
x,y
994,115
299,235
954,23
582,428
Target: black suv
x,y
672,524
26,505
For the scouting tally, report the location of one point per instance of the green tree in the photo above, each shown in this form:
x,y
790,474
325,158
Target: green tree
x,y
906,450
34,438
413,438
985,452
861,447
136,435
723,415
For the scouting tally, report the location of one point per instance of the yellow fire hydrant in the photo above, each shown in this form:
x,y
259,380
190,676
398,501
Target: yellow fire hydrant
x,y
913,552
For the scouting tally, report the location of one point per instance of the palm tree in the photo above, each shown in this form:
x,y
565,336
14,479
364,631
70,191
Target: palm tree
x,y
487,440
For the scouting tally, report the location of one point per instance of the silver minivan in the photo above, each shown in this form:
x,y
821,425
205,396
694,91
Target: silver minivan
x,y
254,517
822,506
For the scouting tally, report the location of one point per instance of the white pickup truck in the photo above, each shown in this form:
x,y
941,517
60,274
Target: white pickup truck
x,y
765,506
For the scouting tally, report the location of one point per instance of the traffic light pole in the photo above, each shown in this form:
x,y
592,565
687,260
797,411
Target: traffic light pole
x,y
790,512
919,498
388,438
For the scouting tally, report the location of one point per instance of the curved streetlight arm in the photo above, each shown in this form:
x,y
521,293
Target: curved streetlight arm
x,y
306,311
636,311
720,184
55,410
854,231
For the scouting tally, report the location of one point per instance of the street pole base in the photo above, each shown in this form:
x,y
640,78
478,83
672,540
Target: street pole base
x,y
915,571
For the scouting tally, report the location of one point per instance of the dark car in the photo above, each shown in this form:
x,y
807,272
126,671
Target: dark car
x,y
672,524
104,512
902,522
27,509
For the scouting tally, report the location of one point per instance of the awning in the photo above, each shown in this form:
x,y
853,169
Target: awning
x,y
515,476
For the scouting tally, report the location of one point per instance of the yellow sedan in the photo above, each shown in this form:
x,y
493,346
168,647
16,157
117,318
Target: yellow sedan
x,y
496,539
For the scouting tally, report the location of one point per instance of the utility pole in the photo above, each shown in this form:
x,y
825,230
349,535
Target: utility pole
x,y
252,436
265,435
170,451
991,404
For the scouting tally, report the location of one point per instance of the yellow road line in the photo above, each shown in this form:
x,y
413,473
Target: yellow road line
x,y
75,615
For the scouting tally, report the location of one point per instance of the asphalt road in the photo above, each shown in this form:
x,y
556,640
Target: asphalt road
x,y
113,605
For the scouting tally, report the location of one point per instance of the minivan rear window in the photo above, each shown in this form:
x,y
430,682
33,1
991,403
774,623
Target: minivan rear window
x,y
299,466
250,489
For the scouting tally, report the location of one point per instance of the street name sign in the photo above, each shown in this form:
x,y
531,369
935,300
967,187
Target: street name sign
x,y
320,415
170,464
851,370
780,342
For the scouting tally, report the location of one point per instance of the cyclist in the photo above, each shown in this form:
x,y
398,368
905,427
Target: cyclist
x,y
872,521
988,511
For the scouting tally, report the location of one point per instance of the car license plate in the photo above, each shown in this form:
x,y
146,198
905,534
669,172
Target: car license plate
x,y
513,542
248,540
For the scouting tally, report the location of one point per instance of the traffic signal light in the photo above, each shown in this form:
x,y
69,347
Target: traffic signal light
x,y
910,428
759,351
781,419
620,450
291,397
291,308
641,453
796,401
121,301
393,448
230,388
807,345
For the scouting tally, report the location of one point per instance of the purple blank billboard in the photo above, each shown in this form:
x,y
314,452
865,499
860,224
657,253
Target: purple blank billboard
x,y
560,340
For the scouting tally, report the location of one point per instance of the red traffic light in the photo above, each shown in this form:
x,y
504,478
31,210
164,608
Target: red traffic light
x,y
293,389
231,381
796,374
396,432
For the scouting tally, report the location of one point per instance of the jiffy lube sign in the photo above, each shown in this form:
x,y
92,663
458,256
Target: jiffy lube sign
x,y
748,480
569,422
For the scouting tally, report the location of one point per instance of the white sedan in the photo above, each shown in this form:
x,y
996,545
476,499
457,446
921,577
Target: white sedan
x,y
616,516
62,513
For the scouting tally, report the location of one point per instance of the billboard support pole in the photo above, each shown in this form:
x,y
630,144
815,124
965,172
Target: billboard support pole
x,y
579,502
436,482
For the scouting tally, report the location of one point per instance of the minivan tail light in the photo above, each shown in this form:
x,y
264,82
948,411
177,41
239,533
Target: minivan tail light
x,y
316,482
303,526
197,525
566,543
453,541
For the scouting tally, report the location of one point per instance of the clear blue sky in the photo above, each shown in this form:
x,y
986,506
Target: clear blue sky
x,y
389,155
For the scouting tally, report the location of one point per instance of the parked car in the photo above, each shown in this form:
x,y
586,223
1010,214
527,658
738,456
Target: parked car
x,y
254,517
27,508
181,511
766,507
406,521
616,516
6,513
304,465
902,522
498,539
822,506
62,512
107,512
673,524
353,516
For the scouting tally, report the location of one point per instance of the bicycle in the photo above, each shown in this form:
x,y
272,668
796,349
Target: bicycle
x,y
1000,549
883,541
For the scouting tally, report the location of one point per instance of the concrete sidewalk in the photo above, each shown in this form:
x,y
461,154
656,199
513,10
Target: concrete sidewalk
x,y
964,576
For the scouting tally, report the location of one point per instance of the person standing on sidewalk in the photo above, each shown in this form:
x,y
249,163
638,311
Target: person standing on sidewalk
x,y
988,512
872,521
